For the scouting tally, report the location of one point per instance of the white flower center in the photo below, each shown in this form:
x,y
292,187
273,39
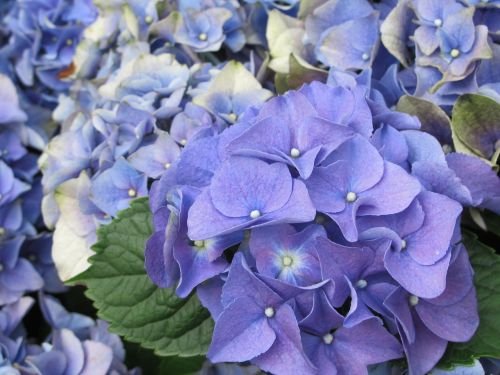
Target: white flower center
x,y
269,312
403,244
255,214
438,22
232,116
413,300
199,243
454,53
365,56
183,142
351,197
132,193
148,19
203,37
294,152
167,165
287,261
328,338
361,283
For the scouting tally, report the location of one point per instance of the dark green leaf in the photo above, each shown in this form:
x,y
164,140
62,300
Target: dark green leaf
x,y
433,119
125,296
476,125
486,341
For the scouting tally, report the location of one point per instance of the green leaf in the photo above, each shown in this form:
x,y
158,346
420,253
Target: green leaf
x,y
125,296
433,119
300,73
476,124
486,341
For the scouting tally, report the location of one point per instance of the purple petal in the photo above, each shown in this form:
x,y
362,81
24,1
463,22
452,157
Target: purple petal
x,y
286,355
431,242
397,303
98,358
395,192
426,351
242,185
457,322
241,332
423,281
368,342
459,279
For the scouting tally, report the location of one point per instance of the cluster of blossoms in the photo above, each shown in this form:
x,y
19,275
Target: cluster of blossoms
x,y
127,117
37,40
449,46
320,228
315,228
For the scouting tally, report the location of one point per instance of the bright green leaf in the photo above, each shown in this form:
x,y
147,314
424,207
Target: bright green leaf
x,y
125,296
476,124
486,341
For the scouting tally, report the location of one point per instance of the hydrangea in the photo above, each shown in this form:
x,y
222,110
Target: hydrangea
x,y
313,231
44,38
453,44
115,136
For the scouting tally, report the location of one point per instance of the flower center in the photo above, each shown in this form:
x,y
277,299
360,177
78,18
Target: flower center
x,y
132,193
328,338
438,22
351,197
403,244
69,42
413,300
361,283
232,116
148,19
199,244
287,261
183,142
167,165
255,214
365,56
294,152
203,37
269,312
454,53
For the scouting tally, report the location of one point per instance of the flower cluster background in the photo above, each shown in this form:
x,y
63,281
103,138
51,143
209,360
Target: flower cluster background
x,y
249,187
